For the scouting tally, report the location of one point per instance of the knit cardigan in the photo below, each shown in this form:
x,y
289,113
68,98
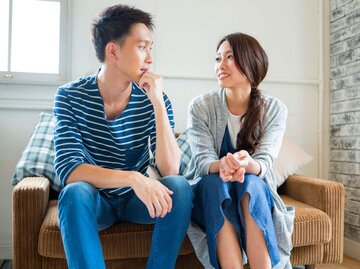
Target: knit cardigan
x,y
207,120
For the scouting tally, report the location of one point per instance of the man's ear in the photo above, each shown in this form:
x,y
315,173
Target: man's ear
x,y
111,50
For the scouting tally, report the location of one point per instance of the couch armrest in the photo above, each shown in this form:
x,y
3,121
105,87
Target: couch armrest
x,y
30,198
327,196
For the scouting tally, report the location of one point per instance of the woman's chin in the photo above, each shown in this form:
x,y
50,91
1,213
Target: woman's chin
x,y
222,84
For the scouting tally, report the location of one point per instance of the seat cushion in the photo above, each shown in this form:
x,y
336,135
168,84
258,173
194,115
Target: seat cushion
x,y
121,241
311,225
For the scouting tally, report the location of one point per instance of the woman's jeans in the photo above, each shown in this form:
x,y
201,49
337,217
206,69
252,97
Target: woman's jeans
x,y
83,211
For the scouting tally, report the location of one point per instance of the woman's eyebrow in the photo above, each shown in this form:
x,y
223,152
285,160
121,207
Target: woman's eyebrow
x,y
225,52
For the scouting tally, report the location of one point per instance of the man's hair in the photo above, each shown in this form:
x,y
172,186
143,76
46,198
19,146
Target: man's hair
x,y
114,24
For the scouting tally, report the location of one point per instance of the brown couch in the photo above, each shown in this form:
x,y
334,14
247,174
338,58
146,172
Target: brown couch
x,y
317,237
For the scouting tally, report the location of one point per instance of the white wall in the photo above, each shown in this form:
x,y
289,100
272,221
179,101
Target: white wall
x,y
185,38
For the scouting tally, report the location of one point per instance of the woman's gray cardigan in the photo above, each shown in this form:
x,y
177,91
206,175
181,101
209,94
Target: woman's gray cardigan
x,y
207,120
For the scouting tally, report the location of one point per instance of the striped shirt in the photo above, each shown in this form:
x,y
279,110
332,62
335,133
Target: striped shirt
x,y
83,134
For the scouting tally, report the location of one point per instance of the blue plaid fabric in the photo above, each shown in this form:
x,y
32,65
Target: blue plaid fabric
x,y
38,157
187,169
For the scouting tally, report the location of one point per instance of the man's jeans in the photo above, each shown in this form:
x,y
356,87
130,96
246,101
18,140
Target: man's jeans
x,y
83,211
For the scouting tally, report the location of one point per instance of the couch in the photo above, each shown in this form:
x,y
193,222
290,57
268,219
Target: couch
x,y
317,237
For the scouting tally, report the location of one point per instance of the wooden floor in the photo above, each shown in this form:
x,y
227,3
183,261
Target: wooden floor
x,y
348,263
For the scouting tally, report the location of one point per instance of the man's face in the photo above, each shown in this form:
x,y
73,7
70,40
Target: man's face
x,y
134,55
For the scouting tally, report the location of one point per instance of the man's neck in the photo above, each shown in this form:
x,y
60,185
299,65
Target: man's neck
x,y
113,87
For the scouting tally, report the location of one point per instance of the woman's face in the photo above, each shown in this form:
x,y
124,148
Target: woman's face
x,y
227,73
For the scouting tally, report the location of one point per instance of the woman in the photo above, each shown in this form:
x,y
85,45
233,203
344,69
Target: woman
x,y
235,135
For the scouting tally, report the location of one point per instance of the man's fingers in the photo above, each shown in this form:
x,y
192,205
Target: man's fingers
x,y
164,205
169,202
151,210
158,207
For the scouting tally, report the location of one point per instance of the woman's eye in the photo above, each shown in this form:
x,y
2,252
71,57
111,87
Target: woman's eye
x,y
230,57
217,59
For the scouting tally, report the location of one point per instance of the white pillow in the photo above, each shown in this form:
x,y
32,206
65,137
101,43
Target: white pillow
x,y
291,158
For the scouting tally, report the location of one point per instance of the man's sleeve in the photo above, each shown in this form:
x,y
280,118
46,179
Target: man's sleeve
x,y
69,149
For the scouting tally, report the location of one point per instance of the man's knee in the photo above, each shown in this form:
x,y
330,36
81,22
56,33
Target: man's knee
x,y
182,193
77,191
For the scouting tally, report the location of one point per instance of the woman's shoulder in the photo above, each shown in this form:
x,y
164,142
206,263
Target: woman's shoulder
x,y
205,99
274,105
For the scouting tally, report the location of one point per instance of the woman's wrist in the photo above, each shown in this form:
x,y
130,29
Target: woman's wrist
x,y
214,167
253,167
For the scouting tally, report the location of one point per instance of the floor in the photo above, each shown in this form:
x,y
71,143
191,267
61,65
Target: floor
x,y
348,263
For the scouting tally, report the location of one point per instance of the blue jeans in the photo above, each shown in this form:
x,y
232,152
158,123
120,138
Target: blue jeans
x,y
83,211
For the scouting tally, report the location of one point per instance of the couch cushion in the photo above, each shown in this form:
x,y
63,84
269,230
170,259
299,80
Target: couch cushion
x,y
123,240
311,225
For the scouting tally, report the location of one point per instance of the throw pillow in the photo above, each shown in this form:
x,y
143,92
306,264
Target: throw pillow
x,y
38,157
291,158
186,169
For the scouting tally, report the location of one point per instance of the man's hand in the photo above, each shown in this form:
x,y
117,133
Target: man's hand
x,y
153,86
154,195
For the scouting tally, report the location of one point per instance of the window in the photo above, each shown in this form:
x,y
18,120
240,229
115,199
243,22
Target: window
x,y
33,43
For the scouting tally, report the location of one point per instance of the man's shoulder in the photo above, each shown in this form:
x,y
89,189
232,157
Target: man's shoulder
x,y
82,84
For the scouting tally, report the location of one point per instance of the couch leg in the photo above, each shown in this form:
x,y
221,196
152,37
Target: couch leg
x,y
310,266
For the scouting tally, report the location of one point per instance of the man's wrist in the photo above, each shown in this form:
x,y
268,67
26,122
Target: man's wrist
x,y
134,178
159,105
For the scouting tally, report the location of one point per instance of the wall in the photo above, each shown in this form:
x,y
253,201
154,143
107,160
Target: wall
x,y
185,38
345,113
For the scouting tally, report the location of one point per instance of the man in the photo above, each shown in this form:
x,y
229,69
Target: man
x,y
105,126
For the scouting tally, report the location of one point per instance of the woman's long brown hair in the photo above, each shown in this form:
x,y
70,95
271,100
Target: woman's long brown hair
x,y
252,62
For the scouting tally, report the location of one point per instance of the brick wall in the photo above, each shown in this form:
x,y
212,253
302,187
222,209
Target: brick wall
x,y
345,107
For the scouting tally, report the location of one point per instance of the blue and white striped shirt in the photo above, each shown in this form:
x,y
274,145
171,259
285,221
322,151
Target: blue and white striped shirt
x,y
83,135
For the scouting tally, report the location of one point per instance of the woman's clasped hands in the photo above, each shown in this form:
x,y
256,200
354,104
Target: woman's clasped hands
x,y
233,166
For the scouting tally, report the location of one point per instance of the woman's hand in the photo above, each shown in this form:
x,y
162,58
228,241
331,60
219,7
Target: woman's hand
x,y
233,166
225,170
251,165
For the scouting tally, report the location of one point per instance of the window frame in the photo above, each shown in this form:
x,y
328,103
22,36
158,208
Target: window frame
x,y
11,77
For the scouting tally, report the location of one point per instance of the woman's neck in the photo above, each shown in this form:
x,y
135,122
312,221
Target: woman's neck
x,y
238,100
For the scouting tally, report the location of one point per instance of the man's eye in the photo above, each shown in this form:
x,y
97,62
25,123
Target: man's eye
x,y
142,47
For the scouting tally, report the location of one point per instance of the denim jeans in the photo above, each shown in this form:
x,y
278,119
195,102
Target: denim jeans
x,y
83,211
